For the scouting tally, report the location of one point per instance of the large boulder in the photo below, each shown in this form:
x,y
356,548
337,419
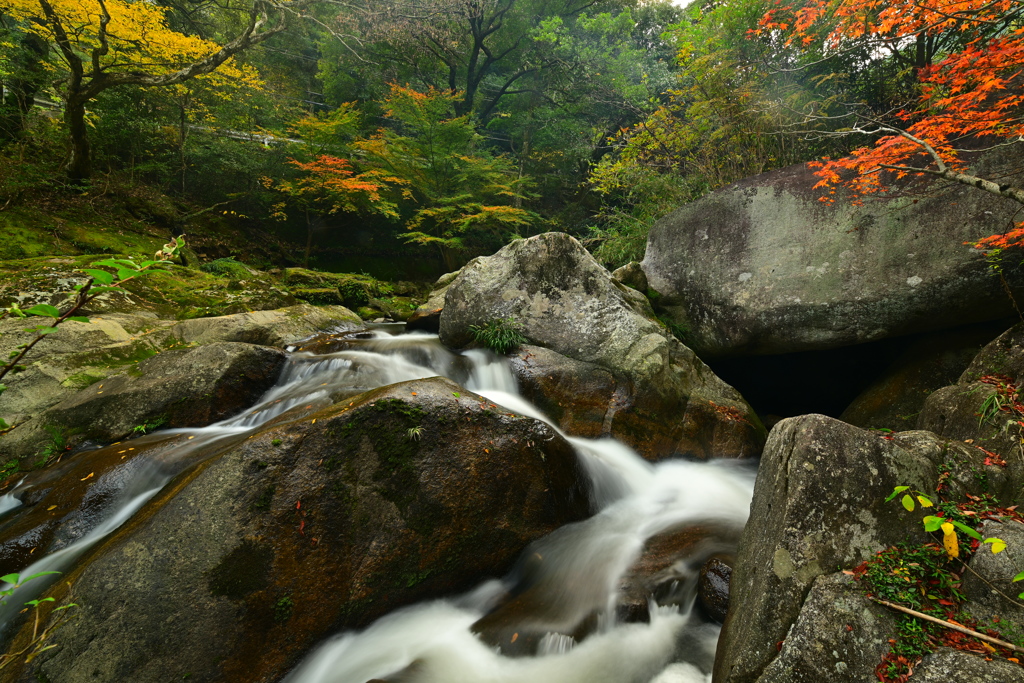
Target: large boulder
x,y
78,355
81,354
765,266
308,527
820,504
176,388
606,348
820,647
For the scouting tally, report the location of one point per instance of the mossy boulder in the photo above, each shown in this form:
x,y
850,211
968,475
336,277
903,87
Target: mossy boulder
x,y
177,388
772,265
79,354
269,328
354,290
318,295
414,490
820,505
173,291
82,354
565,301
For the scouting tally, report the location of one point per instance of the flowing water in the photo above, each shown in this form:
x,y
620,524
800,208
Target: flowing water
x,y
436,642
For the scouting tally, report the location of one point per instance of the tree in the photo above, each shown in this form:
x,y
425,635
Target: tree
x,y
328,184
455,195
967,56
106,44
726,115
482,49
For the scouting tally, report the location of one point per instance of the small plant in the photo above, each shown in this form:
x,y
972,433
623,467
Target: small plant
x,y
276,442
37,644
55,448
500,335
150,425
283,608
414,433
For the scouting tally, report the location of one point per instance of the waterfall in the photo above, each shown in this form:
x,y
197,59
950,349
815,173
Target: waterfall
x,y
582,563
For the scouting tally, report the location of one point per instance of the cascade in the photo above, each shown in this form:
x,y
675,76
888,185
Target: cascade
x,y
579,579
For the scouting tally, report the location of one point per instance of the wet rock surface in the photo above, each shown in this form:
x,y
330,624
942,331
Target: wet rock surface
x,y
567,303
414,490
713,587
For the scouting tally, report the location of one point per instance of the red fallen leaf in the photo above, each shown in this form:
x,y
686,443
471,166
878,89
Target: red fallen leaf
x,y
298,504
948,603
778,645
302,525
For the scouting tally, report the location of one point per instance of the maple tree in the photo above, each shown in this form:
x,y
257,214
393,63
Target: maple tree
x,y
106,44
327,183
968,56
456,196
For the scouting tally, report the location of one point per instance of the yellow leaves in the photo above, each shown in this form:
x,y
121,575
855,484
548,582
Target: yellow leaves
x,y
949,540
137,34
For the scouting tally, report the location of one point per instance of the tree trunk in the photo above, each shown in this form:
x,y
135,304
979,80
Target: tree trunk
x,y
309,240
80,166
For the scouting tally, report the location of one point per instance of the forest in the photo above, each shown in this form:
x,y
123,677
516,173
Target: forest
x,y
433,131
511,341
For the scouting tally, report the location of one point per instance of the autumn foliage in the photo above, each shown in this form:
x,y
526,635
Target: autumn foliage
x,y
971,91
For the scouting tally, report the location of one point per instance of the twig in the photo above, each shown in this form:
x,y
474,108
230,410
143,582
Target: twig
x,y
954,627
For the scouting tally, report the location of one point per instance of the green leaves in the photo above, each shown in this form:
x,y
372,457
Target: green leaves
x,y
45,310
101,276
895,492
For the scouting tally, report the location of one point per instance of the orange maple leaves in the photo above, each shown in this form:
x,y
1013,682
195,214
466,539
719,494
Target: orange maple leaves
x,y
974,92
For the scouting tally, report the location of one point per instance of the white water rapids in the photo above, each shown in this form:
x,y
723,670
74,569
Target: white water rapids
x,y
584,563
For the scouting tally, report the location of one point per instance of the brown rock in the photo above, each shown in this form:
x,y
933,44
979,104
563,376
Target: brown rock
x,y
414,490
713,587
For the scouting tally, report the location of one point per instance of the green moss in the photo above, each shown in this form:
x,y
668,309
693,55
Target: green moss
x,y
81,380
263,501
283,608
243,571
226,267
324,296
385,424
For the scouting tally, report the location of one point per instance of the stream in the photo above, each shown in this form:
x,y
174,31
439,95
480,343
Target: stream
x,y
577,583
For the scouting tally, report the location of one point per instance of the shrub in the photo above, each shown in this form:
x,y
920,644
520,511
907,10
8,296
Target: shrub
x,y
500,335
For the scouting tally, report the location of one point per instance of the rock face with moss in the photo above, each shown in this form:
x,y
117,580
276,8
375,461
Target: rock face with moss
x,y
71,366
820,504
655,393
764,266
414,490
177,388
